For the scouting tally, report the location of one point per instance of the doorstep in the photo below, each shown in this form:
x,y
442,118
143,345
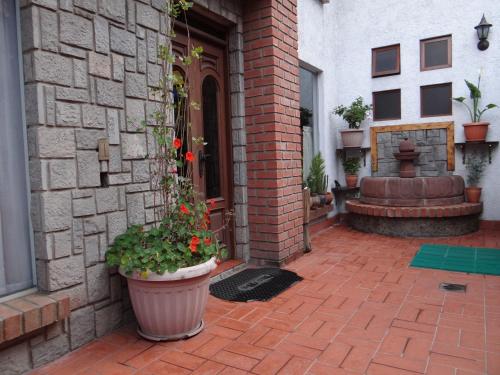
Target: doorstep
x,y
24,315
226,269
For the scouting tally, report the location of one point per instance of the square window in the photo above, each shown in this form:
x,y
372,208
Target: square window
x,y
387,105
435,100
435,53
385,61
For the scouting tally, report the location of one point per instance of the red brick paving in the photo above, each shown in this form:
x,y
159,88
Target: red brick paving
x,y
360,310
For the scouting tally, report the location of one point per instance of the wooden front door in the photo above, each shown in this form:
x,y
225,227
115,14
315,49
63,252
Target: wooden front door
x,y
212,167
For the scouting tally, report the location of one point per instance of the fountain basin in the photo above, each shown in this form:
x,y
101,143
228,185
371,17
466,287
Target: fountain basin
x,y
413,207
412,192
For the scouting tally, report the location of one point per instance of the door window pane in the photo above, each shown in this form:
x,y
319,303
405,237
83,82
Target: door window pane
x,y
15,235
387,105
308,116
435,100
211,137
385,61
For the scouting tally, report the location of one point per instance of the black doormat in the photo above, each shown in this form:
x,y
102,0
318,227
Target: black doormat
x,y
254,284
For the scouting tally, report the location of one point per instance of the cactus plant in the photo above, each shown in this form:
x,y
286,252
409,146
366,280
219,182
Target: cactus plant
x,y
317,181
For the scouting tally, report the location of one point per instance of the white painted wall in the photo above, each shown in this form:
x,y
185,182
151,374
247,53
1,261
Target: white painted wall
x,y
338,37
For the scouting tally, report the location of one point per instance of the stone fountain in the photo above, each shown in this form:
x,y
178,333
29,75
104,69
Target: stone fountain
x,y
413,206
406,156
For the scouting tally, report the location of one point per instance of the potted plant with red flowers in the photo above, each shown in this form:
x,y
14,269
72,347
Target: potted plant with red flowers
x,y
476,130
168,265
354,115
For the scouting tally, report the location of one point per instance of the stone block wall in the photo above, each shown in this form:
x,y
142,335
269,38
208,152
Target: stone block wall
x,y
273,130
431,144
89,67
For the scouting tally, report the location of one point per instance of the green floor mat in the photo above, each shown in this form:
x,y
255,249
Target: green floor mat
x,y
458,258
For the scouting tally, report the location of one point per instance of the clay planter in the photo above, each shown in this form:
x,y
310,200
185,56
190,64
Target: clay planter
x,y
352,138
473,194
476,131
329,197
351,180
170,306
315,201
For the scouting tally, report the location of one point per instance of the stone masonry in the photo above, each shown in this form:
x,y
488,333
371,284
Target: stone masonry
x,y
431,144
89,66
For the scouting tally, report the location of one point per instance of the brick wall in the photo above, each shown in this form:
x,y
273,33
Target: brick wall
x,y
273,130
88,68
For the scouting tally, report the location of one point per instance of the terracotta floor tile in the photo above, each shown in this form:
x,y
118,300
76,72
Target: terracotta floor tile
x,y
272,363
185,360
235,360
296,366
360,310
298,350
378,369
247,349
271,339
209,368
163,368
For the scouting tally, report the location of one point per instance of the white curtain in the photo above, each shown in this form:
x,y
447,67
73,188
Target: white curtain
x,y
15,243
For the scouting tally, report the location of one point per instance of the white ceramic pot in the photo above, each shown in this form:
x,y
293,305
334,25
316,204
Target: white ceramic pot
x,y
170,306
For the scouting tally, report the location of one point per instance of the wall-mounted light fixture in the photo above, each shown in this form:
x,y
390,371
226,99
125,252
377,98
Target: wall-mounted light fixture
x,y
482,33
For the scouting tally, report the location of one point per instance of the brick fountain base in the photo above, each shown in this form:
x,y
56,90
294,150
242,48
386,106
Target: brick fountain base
x,y
413,207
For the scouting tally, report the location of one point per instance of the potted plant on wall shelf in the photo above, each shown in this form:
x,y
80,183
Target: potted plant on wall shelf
x,y
317,182
476,130
475,167
354,115
351,168
168,264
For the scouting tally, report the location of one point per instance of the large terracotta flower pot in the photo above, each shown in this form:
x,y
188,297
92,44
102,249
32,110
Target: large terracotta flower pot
x,y
351,180
170,306
476,131
473,194
352,138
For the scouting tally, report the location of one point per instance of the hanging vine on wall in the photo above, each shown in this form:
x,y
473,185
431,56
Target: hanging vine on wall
x,y
181,236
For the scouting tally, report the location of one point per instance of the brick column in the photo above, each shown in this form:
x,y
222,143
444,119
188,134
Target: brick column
x,y
273,130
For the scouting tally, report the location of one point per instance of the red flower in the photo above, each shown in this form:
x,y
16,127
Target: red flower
x,y
195,241
189,156
177,143
207,241
184,209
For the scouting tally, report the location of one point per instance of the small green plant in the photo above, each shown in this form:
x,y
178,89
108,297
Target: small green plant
x,y
475,95
351,166
317,181
355,113
475,166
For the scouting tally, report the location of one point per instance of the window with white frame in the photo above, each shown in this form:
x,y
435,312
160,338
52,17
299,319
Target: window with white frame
x,y
16,260
308,115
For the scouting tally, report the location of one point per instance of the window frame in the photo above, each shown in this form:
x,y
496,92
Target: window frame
x,y
423,42
386,73
34,281
422,87
374,105
316,107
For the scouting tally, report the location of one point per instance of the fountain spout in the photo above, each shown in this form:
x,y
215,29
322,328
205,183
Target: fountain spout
x,y
406,156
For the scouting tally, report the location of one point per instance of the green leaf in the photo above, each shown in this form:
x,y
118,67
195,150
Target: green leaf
x,y
491,105
474,90
460,99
